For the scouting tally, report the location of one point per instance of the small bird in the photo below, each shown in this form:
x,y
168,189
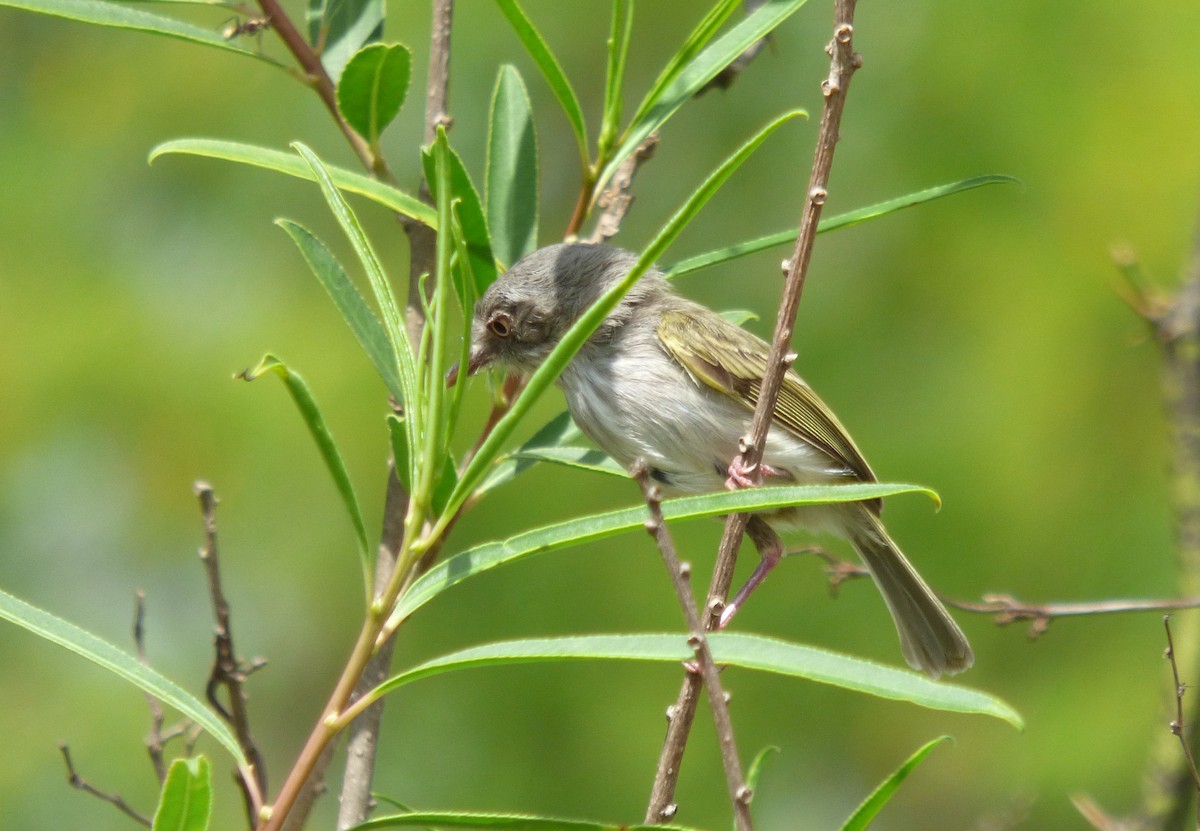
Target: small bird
x,y
670,382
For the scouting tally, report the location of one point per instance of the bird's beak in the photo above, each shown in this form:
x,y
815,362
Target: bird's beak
x,y
478,359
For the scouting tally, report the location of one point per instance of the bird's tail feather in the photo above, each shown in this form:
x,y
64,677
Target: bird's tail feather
x,y
929,637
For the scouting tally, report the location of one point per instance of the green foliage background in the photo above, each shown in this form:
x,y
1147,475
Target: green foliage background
x,y
975,345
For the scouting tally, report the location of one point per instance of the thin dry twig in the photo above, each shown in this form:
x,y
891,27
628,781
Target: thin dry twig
x,y
739,793
155,741
79,783
844,61
1177,725
228,671
616,199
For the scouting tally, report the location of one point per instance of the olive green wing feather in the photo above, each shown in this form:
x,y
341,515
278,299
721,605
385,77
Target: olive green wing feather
x,y
730,360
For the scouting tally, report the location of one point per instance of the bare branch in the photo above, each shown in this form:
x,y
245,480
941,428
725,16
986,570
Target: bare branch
x,y
739,793
617,198
156,740
228,671
79,783
844,61
1177,724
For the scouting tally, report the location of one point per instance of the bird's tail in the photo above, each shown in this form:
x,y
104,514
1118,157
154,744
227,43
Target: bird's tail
x,y
929,637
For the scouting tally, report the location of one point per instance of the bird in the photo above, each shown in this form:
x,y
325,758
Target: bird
x,y
670,383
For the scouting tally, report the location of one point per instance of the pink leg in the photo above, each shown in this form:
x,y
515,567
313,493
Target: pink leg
x,y
770,550
742,476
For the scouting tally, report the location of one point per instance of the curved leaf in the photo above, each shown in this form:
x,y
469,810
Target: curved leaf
x,y
454,570
98,651
539,50
512,169
665,101
119,16
367,329
833,223
290,164
862,817
319,430
372,88
185,803
728,648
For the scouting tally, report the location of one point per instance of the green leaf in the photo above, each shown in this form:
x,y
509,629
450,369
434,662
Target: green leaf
x,y
614,77
288,163
319,430
833,223
186,800
380,287
83,643
510,822
373,86
728,648
400,452
580,458
664,102
873,804
339,28
574,338
512,169
367,329
470,213
454,570
118,16
754,772
539,50
696,40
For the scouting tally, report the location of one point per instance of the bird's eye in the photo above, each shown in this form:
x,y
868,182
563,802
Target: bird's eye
x,y
500,325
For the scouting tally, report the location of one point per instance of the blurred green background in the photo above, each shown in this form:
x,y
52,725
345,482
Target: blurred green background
x,y
976,345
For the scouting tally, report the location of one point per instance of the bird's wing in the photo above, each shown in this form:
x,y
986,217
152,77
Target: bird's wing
x,y
732,361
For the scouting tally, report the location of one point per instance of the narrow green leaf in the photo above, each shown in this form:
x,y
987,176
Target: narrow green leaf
x,y
120,16
539,50
510,822
339,28
614,77
186,800
699,71
862,817
454,570
470,213
574,338
400,452
754,772
833,223
385,300
464,287
580,458
367,329
728,648
315,422
512,169
373,86
696,40
288,163
83,643
739,317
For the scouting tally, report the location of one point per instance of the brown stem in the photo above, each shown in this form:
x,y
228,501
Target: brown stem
x,y
617,198
844,61
1177,726
739,793
319,80
155,742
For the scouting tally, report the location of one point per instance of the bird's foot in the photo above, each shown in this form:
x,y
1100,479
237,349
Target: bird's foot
x,y
742,475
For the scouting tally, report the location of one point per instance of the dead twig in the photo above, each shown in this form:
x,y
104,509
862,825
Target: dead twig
x,y
228,671
617,198
79,783
1177,724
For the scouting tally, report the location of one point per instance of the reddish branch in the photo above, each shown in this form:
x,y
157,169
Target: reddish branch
x,y
844,61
